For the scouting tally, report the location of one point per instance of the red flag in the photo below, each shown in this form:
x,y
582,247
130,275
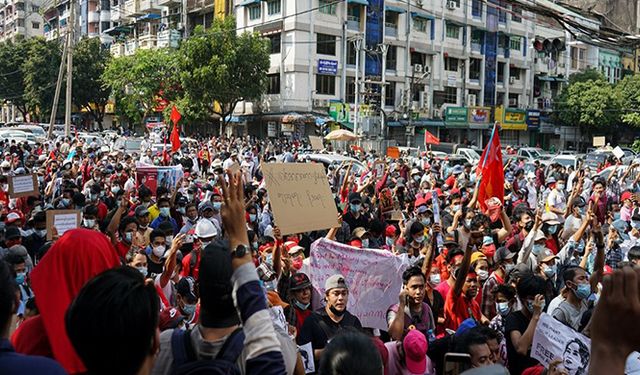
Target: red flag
x,y
492,183
430,139
175,133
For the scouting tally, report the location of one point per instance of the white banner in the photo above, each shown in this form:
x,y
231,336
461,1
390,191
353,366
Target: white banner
x,y
554,340
374,278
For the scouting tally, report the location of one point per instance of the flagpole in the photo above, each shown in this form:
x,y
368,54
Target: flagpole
x,y
486,154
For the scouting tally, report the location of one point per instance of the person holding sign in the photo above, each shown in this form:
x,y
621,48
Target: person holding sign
x,y
411,312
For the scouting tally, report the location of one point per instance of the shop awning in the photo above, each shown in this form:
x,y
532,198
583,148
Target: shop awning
x,y
424,16
148,17
391,8
361,2
119,30
545,78
248,2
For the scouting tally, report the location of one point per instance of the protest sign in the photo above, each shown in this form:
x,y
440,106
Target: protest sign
x,y
62,220
599,141
154,176
23,185
306,352
378,167
300,197
316,142
393,152
617,152
553,340
374,278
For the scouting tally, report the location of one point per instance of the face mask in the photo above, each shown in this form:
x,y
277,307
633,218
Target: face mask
x,y
254,245
164,211
635,224
419,239
467,223
482,274
217,206
252,218
503,308
301,306
508,267
268,258
582,291
20,277
336,312
189,309
560,187
128,236
455,208
537,248
65,202
552,229
355,208
529,225
426,221
416,178
142,270
365,243
88,223
115,189
94,197
40,232
549,271
434,278
389,241
182,210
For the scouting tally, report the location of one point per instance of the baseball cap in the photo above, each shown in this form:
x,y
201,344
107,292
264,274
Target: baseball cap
x,y
390,231
423,209
539,236
457,169
12,216
141,211
626,195
545,255
579,202
334,282
550,218
187,287
169,319
299,281
477,256
415,349
12,233
359,232
206,205
354,197
502,253
295,249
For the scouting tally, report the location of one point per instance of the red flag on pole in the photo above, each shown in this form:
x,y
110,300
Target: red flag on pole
x,y
430,139
175,133
492,170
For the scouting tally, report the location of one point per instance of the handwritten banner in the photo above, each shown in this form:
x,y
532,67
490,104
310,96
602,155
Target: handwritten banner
x,y
62,220
374,278
316,142
553,340
23,185
300,197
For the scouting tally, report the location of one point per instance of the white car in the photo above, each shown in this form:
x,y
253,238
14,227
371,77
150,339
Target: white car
x,y
18,136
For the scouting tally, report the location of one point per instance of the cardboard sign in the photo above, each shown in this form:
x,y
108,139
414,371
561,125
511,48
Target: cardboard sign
x,y
152,176
617,152
374,278
316,142
553,340
300,197
23,185
599,141
393,152
306,352
378,167
62,220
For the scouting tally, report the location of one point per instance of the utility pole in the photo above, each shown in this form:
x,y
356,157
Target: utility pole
x,y
358,45
56,97
383,89
71,42
410,130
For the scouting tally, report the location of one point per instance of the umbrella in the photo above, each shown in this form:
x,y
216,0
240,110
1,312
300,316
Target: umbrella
x,y
341,135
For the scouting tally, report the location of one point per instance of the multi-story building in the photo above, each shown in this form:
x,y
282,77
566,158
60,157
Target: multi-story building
x,y
93,17
20,18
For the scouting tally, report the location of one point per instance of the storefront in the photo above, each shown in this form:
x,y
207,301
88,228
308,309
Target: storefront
x,y
456,125
479,125
533,125
514,126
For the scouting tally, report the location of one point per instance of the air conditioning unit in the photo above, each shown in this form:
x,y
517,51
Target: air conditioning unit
x,y
451,5
419,3
471,100
437,113
513,102
512,80
320,103
418,68
422,103
179,26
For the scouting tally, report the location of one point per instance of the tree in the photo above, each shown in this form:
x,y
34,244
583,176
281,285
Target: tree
x,y
219,68
13,56
138,81
589,104
40,72
628,90
89,92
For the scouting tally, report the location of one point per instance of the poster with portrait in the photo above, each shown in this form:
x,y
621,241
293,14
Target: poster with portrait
x,y
306,352
554,341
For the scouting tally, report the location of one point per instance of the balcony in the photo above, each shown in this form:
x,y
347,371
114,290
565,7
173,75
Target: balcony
x,y
391,29
51,34
353,23
169,38
147,41
476,47
105,16
168,2
20,30
130,47
115,14
149,6
93,17
132,8
117,49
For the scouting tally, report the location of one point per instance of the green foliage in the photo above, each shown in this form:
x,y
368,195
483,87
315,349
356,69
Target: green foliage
x,y
590,74
12,58
629,91
219,68
89,64
592,104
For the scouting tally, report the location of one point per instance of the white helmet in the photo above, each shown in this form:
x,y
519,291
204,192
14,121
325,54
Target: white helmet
x,y
205,229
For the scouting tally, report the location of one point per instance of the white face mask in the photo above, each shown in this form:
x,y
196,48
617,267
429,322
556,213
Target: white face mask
x,y
159,251
88,223
482,274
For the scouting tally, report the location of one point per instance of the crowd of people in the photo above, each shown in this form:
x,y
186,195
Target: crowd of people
x,y
198,278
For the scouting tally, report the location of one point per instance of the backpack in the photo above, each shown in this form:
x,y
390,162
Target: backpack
x,y
186,362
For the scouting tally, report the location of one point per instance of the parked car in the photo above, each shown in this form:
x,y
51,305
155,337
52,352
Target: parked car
x,y
336,160
535,153
566,161
128,145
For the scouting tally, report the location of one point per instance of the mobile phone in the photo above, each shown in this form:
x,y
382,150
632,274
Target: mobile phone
x,y
456,363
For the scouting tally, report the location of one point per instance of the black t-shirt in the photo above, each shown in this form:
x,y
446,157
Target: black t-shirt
x,y
360,221
516,321
153,268
319,328
437,307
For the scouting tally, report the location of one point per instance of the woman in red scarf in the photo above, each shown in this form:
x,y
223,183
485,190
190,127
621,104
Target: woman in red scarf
x,y
74,259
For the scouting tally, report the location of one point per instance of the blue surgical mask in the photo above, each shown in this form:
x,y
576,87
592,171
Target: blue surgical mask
x,y
217,206
301,306
142,270
560,187
254,245
537,248
389,241
355,207
455,208
128,236
582,291
253,217
467,223
503,308
269,259
550,271
164,211
426,221
434,278
189,309
419,239
365,243
20,277
552,229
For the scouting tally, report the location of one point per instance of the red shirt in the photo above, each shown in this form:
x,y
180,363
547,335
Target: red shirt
x,y
458,309
186,266
122,249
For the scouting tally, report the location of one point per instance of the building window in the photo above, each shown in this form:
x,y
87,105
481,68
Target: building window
x,y
255,12
470,102
20,23
515,43
275,42
274,83
390,94
476,8
328,7
451,64
351,54
325,84
392,58
418,58
420,24
35,25
273,7
105,25
351,90
326,44
515,72
516,16
452,31
451,95
474,69
513,100
502,13
35,8
477,36
503,41
500,75
391,20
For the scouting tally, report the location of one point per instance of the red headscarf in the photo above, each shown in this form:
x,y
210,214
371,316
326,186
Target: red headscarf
x,y
74,259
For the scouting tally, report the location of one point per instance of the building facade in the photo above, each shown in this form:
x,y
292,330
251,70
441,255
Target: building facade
x,y
20,18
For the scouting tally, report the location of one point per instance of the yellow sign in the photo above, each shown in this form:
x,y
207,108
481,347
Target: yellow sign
x,y
511,119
